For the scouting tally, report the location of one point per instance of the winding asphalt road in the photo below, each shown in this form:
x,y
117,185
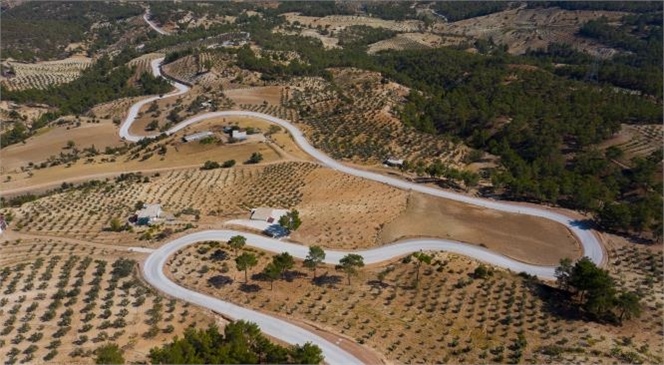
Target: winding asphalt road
x,y
153,266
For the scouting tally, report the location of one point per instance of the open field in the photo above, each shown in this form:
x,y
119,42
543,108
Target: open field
x,y
338,22
44,74
62,300
521,29
53,141
338,210
256,95
450,316
413,41
523,238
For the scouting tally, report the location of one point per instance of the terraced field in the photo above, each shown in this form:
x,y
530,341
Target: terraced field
x,y
44,74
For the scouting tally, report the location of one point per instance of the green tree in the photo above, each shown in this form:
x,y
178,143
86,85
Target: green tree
x,y
628,305
420,258
350,264
291,220
116,225
152,126
272,273
563,273
237,242
314,258
256,157
307,354
109,354
283,261
615,216
244,262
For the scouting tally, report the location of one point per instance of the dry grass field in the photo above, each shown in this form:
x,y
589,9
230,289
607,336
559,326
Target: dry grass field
x,y
338,22
54,140
413,41
61,300
520,237
44,74
449,317
28,113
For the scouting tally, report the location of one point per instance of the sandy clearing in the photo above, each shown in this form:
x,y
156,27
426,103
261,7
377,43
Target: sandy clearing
x,y
524,238
40,147
256,95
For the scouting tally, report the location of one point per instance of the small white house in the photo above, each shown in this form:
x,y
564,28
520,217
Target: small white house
x,y
394,162
239,136
149,214
267,214
197,136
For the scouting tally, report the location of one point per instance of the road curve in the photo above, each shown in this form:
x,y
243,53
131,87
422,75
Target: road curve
x,y
590,243
152,24
153,266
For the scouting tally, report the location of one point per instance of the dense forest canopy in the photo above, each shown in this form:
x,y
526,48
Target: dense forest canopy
x,y
43,29
240,343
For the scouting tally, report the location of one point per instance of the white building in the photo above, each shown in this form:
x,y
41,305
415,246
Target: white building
x,y
197,136
239,136
149,214
267,214
394,162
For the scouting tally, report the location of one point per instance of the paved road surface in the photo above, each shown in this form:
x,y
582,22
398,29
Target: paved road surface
x,y
153,266
153,25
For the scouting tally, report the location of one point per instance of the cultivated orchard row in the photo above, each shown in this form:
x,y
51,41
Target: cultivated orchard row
x,y
45,74
61,307
85,213
354,118
457,311
22,250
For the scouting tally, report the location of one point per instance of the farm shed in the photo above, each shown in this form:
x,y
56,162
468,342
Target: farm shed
x,y
196,136
267,214
240,136
149,214
394,162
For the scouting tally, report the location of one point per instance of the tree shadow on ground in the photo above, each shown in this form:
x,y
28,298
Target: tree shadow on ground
x,y
250,288
330,280
291,275
219,281
375,284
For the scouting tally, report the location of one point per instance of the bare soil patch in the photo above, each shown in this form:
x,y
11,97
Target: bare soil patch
x,y
256,95
521,237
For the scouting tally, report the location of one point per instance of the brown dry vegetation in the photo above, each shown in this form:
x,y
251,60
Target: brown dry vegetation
x,y
449,317
18,173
